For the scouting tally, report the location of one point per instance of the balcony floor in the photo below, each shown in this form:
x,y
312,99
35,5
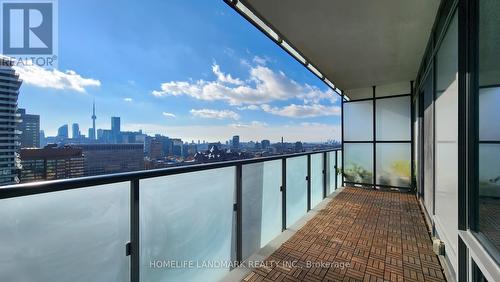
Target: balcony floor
x,y
382,235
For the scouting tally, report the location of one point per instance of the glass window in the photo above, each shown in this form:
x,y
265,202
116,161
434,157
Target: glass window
x,y
393,119
489,116
358,163
358,121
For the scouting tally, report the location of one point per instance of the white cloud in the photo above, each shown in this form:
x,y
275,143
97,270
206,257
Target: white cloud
x,y
44,78
263,86
249,107
302,111
215,114
168,115
225,78
260,60
128,99
253,124
307,132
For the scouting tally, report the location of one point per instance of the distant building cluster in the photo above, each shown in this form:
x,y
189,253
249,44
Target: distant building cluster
x,y
28,155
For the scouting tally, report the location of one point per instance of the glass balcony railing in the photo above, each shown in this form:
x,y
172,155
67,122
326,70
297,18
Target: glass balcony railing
x,y
192,223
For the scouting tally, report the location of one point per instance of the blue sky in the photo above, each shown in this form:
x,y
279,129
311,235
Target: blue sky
x,y
189,69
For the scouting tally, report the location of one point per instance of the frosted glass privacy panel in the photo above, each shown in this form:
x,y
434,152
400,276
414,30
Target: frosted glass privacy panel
x,y
331,173
74,235
489,115
296,189
393,119
339,169
358,163
261,205
393,164
358,121
316,179
187,218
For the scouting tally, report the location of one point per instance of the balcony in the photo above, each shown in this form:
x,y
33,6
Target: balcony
x,y
187,223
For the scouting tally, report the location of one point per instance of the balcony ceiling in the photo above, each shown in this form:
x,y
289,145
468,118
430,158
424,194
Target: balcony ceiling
x,y
354,43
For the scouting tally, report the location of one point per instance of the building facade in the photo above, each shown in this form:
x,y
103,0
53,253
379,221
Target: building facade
x,y
112,158
30,130
50,163
9,121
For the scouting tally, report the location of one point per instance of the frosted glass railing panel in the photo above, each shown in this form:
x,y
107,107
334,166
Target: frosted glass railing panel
x,y
187,218
393,164
261,209
316,179
358,121
489,115
296,189
393,119
339,169
331,173
358,163
74,235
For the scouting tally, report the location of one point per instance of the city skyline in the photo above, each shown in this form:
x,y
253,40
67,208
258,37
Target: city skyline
x,y
191,87
70,126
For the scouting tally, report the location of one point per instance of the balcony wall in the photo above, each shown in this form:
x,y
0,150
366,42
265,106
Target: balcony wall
x,y
377,136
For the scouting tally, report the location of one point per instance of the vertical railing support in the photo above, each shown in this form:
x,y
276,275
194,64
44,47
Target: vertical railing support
x,y
325,169
134,231
239,215
342,137
336,168
283,194
374,101
308,178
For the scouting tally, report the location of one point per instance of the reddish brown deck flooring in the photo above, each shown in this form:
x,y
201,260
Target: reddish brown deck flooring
x,y
382,235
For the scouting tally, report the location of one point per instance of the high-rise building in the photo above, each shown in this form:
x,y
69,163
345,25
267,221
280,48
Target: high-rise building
x,y
92,132
50,163
62,132
236,142
9,134
43,140
265,144
112,158
155,149
75,131
30,130
298,147
115,130
176,147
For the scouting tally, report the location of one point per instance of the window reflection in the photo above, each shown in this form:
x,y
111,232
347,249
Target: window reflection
x,y
489,130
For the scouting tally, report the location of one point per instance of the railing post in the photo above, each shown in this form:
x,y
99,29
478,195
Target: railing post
x,y
283,194
239,215
308,178
134,231
325,168
336,168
